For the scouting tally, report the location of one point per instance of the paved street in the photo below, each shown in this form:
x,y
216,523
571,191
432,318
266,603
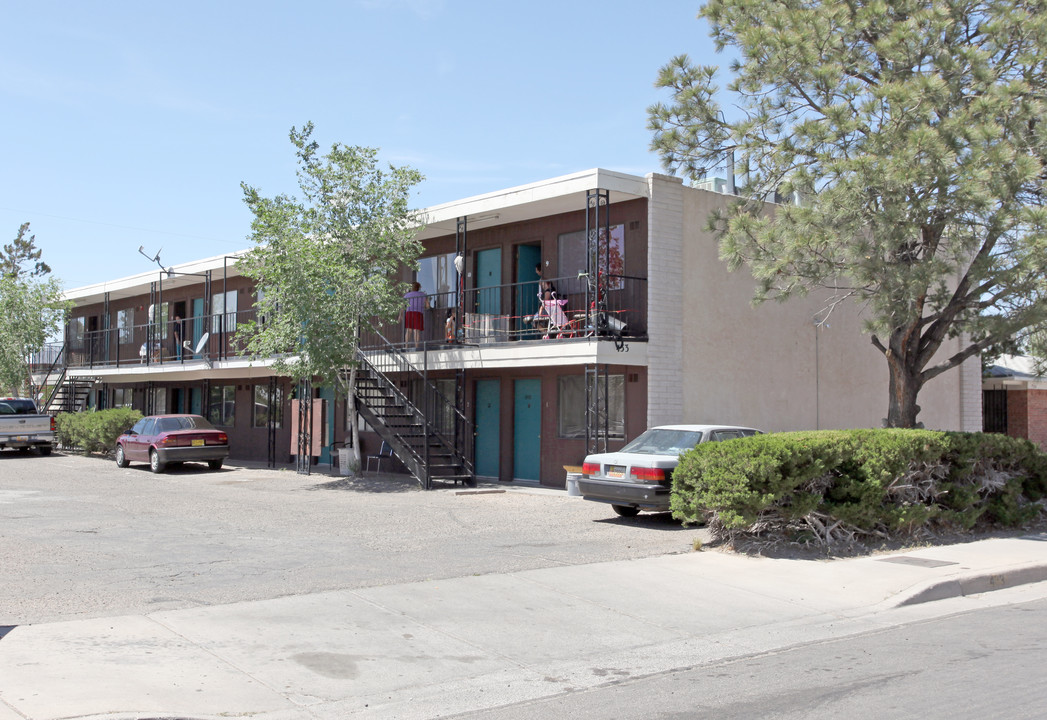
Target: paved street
x,y
985,662
82,538
197,595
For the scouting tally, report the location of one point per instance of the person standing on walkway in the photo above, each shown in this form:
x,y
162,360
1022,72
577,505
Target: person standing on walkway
x,y
414,317
177,328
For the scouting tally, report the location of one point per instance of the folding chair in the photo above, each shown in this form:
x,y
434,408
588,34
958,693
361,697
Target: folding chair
x,y
386,453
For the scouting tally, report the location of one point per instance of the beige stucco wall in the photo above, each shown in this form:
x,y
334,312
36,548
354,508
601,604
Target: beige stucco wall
x,y
770,366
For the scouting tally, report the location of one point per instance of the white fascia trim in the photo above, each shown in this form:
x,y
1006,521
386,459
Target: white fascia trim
x,y
538,191
140,282
539,199
173,372
533,354
1003,383
546,197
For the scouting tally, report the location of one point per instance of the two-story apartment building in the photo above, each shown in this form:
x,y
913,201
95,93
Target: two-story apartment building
x,y
648,328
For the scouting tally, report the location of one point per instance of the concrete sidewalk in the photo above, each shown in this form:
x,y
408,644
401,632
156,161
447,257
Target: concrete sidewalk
x,y
430,649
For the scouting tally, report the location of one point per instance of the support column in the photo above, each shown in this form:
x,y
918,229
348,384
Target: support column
x,y
597,269
665,308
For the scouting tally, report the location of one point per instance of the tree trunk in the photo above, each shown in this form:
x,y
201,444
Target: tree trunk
x,y
354,425
905,385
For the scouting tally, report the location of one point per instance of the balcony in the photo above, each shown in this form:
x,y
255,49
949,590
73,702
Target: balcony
x,y
511,313
492,315
159,344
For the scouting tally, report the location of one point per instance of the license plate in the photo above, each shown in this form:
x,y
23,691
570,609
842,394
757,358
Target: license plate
x,y
615,471
198,442
21,438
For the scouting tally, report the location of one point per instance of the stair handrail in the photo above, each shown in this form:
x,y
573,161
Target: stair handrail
x,y
390,348
415,411
47,376
387,348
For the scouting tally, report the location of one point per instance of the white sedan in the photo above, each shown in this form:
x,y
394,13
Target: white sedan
x,y
639,476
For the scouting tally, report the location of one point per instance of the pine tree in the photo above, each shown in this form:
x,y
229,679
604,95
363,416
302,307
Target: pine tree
x,y
913,132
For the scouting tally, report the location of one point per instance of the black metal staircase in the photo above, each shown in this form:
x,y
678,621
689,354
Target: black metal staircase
x,y
69,395
65,394
432,441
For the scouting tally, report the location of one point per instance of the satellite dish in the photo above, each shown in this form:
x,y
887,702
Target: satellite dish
x,y
200,344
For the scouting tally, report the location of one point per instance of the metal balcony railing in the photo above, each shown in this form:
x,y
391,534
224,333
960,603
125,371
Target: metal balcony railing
x,y
614,308
209,337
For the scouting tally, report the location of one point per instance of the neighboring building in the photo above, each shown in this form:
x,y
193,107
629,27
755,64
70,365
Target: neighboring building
x,y
655,331
1015,399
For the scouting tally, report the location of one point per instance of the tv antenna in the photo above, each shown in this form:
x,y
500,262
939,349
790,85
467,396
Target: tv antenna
x,y
155,258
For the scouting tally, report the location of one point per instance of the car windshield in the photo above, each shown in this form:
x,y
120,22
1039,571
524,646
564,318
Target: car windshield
x,y
663,441
185,422
14,406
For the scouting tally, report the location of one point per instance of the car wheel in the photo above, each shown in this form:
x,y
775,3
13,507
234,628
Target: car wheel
x,y
45,450
214,464
121,459
626,510
154,462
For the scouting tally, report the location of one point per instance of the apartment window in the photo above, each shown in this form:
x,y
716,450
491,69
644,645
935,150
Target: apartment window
x,y
441,412
224,309
439,280
262,410
158,316
263,318
123,397
571,401
221,406
572,248
125,320
159,401
76,331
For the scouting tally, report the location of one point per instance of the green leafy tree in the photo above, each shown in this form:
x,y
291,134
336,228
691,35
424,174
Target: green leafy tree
x,y
328,261
31,310
913,132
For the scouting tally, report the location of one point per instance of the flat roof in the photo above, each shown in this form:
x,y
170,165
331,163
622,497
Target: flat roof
x,y
553,196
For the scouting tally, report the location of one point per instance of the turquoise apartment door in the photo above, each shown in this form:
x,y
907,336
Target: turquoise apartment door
x,y
488,411
327,395
527,426
488,281
196,401
198,321
526,300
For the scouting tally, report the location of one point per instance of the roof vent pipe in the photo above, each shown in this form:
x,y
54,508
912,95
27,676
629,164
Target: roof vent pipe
x,y
730,172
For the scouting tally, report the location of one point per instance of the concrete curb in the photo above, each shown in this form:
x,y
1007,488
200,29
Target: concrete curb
x,y
973,584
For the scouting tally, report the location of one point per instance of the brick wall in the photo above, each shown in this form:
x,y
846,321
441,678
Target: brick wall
x,y
1027,415
664,289
970,378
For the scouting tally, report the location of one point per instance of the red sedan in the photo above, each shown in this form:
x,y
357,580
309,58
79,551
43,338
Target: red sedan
x,y
164,439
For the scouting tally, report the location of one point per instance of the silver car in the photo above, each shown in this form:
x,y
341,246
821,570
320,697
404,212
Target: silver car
x,y
639,476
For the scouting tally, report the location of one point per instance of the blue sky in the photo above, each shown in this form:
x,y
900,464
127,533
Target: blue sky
x,y
133,123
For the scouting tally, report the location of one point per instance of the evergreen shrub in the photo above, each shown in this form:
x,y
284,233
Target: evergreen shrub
x,y
94,431
834,486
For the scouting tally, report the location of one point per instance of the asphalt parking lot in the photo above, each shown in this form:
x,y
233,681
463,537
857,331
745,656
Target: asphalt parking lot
x,y
82,538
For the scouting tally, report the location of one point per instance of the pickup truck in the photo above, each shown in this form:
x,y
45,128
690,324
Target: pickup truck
x,y
22,427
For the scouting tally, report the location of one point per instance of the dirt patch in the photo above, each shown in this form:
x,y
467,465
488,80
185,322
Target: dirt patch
x,y
779,548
